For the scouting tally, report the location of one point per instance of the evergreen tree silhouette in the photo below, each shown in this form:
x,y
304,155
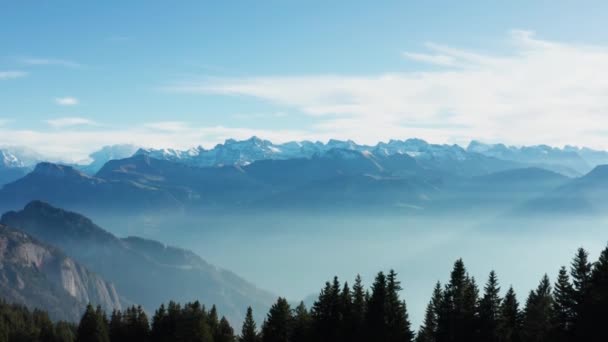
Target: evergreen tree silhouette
x,y
278,324
489,310
249,330
538,314
510,319
92,327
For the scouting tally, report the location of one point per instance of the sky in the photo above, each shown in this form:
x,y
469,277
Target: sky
x,y
75,76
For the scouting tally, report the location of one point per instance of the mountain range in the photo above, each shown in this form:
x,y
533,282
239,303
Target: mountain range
x,y
144,272
409,176
570,160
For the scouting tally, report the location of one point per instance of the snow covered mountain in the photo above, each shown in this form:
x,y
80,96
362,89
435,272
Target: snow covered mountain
x,y
244,152
571,161
107,153
18,157
16,162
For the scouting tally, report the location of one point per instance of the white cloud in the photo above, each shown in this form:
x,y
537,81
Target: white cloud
x,y
537,92
66,101
50,61
70,122
11,74
167,126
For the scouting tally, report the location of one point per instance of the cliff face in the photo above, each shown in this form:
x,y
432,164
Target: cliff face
x,y
38,275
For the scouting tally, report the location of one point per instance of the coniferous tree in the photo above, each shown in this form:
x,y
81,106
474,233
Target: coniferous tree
x,y
580,271
510,320
278,324
213,320
538,314
563,307
376,309
489,310
116,328
428,330
302,324
359,309
224,332
92,327
596,307
457,319
347,325
249,330
397,319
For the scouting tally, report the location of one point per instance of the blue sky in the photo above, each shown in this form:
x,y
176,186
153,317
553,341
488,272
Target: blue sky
x,y
75,76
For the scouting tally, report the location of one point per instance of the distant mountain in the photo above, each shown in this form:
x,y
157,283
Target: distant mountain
x,y
144,271
16,162
105,154
63,185
587,195
40,276
19,157
245,152
569,161
502,190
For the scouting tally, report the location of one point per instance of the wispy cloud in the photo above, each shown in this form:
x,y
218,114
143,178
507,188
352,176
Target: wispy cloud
x,y
50,61
11,74
538,91
70,122
167,126
66,101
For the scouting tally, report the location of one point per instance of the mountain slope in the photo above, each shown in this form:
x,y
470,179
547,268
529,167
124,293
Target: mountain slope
x,y
146,272
38,275
587,195
65,186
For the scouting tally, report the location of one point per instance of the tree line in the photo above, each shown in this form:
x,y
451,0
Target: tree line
x,y
573,308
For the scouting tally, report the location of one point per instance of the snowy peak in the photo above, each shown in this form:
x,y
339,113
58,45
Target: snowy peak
x,y
18,157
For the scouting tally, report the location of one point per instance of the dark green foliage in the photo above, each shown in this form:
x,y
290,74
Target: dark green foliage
x,y
302,324
539,314
457,314
224,332
595,305
575,310
278,324
489,310
510,320
249,331
564,308
397,318
17,323
93,326
428,330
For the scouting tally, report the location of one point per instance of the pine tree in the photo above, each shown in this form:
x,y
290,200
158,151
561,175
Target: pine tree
x,y
302,322
249,331
489,310
580,271
596,306
224,332
457,319
347,324
564,307
116,327
397,320
428,330
92,327
510,320
538,314
359,309
376,309
278,324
